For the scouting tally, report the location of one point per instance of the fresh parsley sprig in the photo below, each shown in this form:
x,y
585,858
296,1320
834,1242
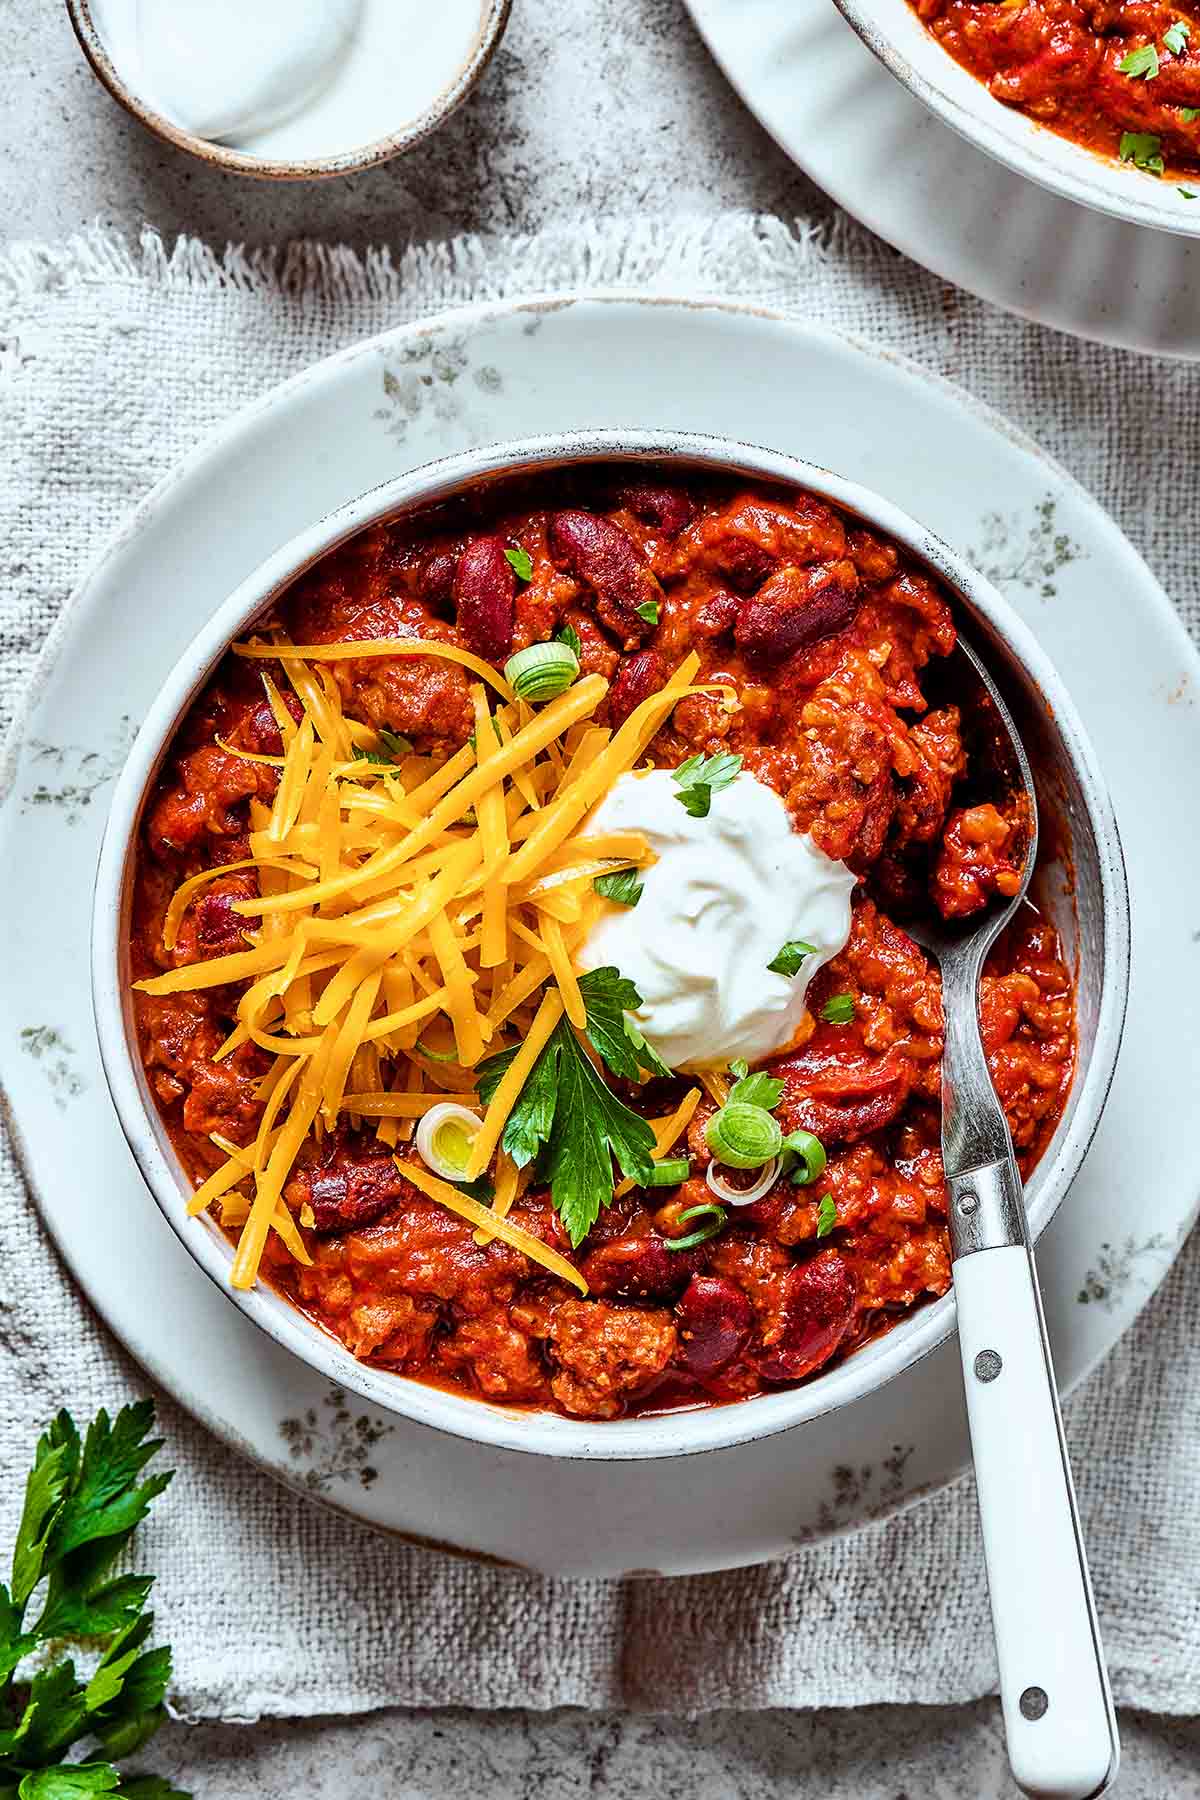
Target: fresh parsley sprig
x,y
83,1501
566,1117
700,777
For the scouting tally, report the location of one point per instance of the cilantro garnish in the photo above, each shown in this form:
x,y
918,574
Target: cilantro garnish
x,y
754,1090
624,887
568,1118
1175,37
568,635
1143,150
1142,62
648,610
390,748
521,562
839,1009
700,777
826,1216
83,1501
788,959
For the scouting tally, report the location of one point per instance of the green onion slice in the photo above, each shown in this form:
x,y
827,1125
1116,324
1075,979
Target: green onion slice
x,y
669,1172
743,1136
810,1156
542,671
717,1220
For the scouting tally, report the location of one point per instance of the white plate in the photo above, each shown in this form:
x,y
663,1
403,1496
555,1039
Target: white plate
x,y
882,155
468,378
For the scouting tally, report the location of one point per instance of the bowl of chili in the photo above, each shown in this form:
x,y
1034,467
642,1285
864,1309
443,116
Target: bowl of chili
x,y
462,1183
1098,102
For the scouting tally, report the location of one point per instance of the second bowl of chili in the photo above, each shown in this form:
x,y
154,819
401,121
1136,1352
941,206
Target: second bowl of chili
x,y
1098,102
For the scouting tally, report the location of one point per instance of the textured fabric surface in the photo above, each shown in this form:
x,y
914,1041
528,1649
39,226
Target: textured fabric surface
x,y
113,361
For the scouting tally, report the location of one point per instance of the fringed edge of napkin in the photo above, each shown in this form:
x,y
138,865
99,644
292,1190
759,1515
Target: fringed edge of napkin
x,y
737,252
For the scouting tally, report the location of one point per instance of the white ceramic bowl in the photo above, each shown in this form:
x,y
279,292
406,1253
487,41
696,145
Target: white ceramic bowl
x,y
1085,891
404,133
914,56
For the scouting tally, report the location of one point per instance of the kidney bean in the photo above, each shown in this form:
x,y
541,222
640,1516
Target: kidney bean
x,y
348,1191
797,607
841,1096
435,577
604,558
717,615
636,1268
260,729
714,1320
657,503
484,596
218,927
638,677
813,1318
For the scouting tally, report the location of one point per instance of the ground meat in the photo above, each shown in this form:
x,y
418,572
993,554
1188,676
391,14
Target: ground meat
x,y
606,1354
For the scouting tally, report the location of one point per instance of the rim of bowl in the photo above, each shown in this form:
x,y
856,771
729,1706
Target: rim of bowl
x,y
540,1433
494,16
1023,145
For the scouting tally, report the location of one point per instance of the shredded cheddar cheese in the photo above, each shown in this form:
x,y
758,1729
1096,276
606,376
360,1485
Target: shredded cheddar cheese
x,y
410,916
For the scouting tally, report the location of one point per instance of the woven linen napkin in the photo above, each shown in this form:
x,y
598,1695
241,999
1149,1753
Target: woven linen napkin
x,y
114,360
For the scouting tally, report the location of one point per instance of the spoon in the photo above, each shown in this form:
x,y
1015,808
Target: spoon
x,y
1058,1712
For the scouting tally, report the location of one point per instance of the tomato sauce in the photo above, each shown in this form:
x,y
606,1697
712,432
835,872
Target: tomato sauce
x,y
834,642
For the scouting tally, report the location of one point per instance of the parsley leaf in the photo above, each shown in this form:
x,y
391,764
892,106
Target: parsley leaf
x,y
826,1216
648,610
83,1500
623,887
1175,37
788,959
522,563
838,1009
700,777
1143,150
1140,63
647,1055
591,1128
567,1117
568,635
607,999
756,1090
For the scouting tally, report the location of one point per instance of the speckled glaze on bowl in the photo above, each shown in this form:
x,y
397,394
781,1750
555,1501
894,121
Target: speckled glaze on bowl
x,y
910,51
1084,889
493,20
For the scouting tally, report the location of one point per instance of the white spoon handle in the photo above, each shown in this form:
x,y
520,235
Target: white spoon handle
x,y
1058,1713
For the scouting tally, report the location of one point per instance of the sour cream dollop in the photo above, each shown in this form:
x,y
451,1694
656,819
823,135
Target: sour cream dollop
x,y
727,892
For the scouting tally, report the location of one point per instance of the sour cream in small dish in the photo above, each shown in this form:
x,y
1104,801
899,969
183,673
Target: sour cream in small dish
x,y
727,892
